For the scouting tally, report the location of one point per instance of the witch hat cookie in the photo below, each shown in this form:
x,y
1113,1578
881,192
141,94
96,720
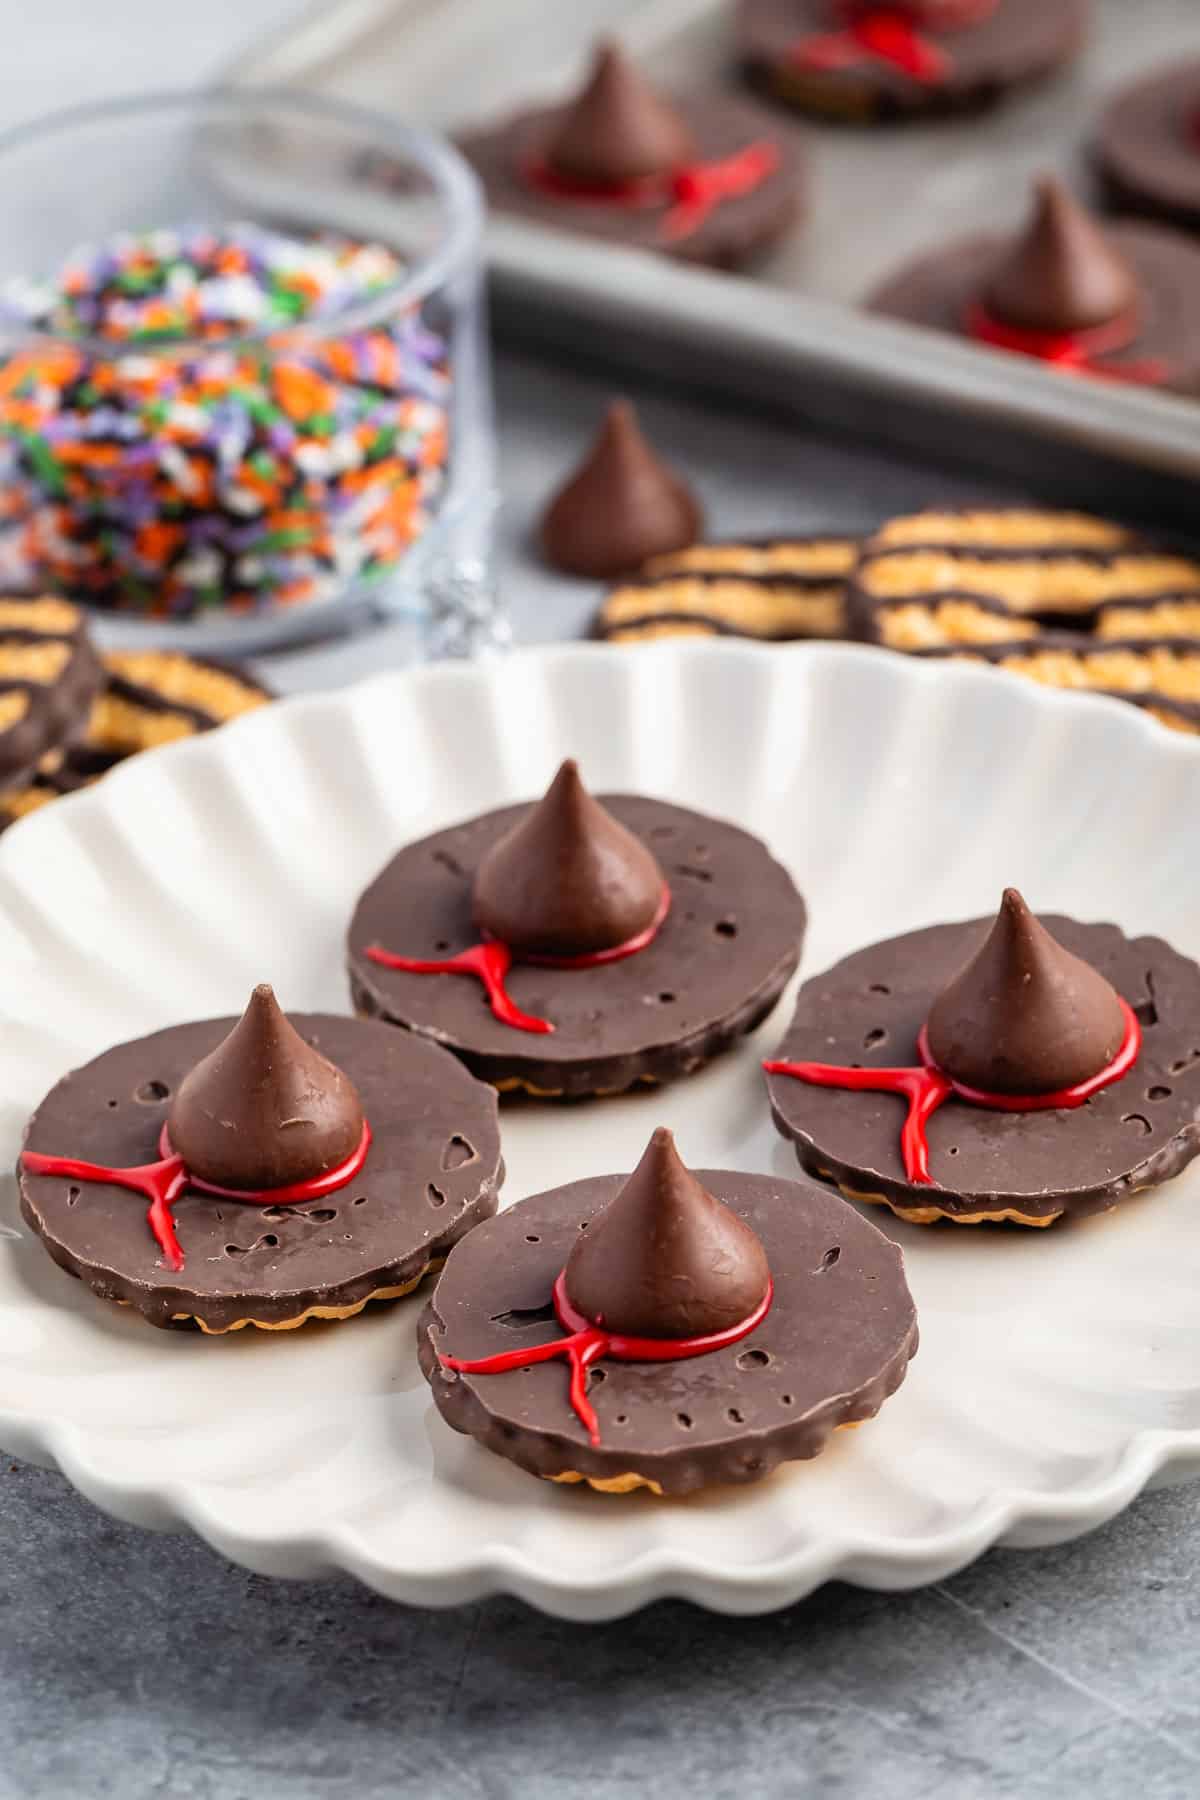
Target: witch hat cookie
x,y
1039,1068
1148,146
617,939
667,1329
260,1171
621,506
1111,301
877,61
700,176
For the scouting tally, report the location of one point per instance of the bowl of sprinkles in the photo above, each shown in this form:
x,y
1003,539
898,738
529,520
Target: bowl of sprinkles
x,y
232,409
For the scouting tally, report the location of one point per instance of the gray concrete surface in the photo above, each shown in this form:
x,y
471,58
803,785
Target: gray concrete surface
x,y
137,1665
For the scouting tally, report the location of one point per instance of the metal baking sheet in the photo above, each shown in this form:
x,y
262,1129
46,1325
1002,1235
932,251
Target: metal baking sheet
x,y
789,336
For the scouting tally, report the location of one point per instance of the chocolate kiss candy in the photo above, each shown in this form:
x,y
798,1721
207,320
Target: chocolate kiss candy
x,y
264,1110
1061,274
665,1259
567,880
1025,1017
621,506
618,128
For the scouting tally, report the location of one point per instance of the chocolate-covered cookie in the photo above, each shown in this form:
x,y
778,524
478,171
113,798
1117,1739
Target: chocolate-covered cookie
x,y
667,1330
1011,1008
147,698
1148,146
871,61
1066,599
1115,301
702,176
49,676
579,1016
194,1118
773,588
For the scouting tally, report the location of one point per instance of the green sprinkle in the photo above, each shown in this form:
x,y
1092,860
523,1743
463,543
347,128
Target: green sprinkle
x,y
260,410
321,425
383,445
293,538
43,461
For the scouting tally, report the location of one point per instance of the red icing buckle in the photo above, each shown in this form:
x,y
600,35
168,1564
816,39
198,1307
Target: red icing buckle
x,y
894,34
587,1343
927,1087
163,1182
489,962
1073,350
690,193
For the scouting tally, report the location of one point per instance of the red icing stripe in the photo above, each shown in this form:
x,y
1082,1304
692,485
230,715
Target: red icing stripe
x,y
1076,350
490,962
895,35
163,1182
927,1087
690,193
587,1342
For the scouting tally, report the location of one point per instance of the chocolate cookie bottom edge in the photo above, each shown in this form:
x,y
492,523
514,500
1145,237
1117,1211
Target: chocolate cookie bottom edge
x,y
1155,1172
615,1471
333,1305
596,1078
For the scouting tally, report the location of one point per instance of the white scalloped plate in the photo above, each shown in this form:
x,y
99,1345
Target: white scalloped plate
x,y
1058,1373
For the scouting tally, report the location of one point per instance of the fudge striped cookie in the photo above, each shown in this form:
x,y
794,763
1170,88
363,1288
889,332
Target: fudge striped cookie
x,y
776,588
49,676
1064,598
148,697
1162,678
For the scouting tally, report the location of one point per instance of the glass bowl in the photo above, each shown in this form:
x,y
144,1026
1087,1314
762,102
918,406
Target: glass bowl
x,y
244,384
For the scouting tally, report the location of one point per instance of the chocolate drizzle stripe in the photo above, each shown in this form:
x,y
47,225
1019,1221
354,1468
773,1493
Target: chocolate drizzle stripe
x,y
782,581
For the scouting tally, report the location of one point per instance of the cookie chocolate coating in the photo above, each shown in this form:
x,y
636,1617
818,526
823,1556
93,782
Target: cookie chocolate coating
x,y
1148,150
836,1342
1021,42
869,1009
736,230
712,973
937,289
433,1171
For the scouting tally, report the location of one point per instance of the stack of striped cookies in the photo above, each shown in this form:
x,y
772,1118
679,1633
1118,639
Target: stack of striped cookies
x,y
68,713
1063,598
